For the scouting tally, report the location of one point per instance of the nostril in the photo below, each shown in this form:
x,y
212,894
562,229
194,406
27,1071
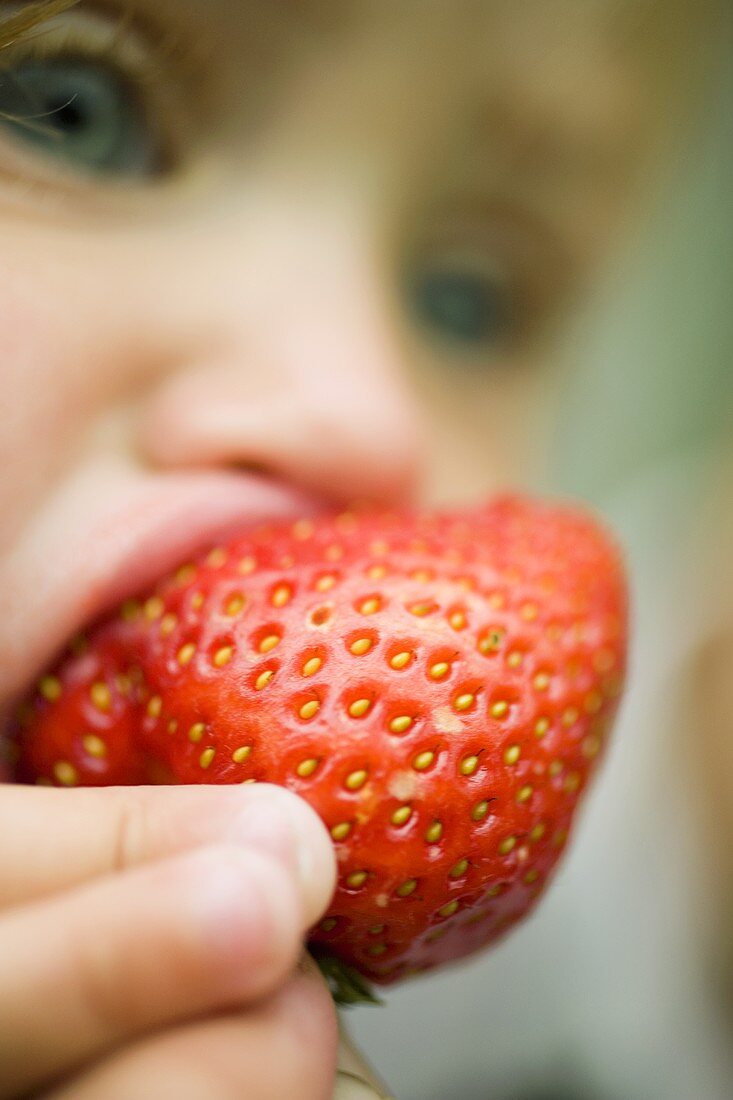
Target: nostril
x,y
258,469
353,438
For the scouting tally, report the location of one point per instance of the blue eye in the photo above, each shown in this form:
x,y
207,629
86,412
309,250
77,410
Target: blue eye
x,y
80,111
461,304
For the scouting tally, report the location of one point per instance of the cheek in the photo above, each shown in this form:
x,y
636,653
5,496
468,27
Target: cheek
x,y
487,431
38,413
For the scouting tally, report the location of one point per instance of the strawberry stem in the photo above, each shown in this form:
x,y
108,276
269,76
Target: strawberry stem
x,y
346,984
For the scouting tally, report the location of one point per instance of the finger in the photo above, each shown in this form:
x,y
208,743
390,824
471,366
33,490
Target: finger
x,y
52,839
355,1079
281,1049
89,969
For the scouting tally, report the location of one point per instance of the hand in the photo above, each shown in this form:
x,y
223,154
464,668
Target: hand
x,y
149,944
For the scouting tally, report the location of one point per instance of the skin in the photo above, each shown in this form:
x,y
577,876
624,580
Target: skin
x,y
322,150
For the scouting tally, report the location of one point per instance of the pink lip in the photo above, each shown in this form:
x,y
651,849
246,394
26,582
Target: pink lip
x,y
158,524
161,532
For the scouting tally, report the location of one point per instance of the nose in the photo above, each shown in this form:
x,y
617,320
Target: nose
x,y
299,372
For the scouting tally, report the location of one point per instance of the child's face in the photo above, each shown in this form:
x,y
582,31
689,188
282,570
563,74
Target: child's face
x,y
255,250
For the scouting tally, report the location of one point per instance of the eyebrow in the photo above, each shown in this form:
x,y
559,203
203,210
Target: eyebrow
x,y
541,136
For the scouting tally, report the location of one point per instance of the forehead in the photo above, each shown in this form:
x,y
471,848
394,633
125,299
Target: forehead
x,y
577,22
546,57
486,31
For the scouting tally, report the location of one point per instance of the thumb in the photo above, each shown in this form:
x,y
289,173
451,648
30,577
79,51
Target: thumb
x,y
53,839
355,1080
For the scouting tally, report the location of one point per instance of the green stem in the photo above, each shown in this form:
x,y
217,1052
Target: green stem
x,y
346,984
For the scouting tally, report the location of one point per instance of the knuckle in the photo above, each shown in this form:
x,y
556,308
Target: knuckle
x,y
131,831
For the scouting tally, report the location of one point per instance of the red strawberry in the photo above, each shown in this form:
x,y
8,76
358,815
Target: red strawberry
x,y
438,687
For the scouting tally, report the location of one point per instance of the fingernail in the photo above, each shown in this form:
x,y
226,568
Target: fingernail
x,y
273,822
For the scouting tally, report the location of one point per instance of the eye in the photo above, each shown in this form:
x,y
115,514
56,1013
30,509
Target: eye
x,y
82,111
461,298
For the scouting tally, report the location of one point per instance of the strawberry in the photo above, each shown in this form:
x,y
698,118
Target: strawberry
x,y
438,687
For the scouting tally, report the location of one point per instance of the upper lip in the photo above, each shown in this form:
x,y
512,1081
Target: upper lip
x,y
127,548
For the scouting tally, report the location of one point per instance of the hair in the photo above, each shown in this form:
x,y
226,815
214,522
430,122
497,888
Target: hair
x,y
22,22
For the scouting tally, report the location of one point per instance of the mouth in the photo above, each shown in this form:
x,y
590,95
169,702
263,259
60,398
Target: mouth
x,y
139,532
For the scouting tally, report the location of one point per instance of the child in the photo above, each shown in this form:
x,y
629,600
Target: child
x,y
255,258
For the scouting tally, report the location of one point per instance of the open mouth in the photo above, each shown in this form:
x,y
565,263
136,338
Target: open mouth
x,y
143,532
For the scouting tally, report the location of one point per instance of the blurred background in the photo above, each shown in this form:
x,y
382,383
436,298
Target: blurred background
x,y
612,990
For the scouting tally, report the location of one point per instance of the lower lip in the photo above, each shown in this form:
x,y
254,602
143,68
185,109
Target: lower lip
x,y
145,528
193,513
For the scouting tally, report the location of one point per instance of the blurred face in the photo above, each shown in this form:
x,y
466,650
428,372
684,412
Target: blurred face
x,y
266,257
